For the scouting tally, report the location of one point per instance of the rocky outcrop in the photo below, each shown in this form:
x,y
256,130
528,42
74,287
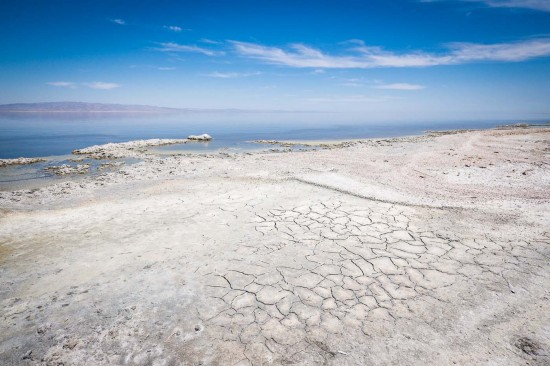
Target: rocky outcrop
x,y
203,137
20,161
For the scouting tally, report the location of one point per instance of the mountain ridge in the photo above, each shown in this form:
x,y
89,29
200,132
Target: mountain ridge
x,y
85,107
82,107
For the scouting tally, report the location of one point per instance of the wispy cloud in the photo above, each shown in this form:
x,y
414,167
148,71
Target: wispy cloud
x,y
209,41
176,47
173,28
231,75
505,52
118,21
353,84
400,86
350,99
155,67
543,5
102,85
363,56
65,84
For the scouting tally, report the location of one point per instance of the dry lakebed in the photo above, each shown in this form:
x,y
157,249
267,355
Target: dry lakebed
x,y
425,250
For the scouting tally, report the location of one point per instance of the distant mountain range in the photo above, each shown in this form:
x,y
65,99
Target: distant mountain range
x,y
83,107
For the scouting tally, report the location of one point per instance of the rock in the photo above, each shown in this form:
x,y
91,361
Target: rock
x,y
71,344
66,169
123,149
44,328
20,161
528,346
203,137
27,356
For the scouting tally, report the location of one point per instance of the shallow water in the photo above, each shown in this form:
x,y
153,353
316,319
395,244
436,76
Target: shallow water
x,y
54,134
15,177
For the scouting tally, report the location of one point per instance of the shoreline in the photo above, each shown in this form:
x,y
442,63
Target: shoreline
x,y
342,142
369,253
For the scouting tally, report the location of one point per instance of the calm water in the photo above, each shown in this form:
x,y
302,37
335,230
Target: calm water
x,y
33,135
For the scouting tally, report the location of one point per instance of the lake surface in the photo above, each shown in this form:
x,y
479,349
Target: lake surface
x,y
56,134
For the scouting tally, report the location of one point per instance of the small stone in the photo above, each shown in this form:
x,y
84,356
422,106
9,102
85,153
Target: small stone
x,y
70,344
528,346
27,356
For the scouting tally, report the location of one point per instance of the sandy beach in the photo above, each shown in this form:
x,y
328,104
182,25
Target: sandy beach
x,y
427,250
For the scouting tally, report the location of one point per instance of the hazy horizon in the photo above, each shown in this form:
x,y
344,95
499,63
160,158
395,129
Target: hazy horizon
x,y
57,134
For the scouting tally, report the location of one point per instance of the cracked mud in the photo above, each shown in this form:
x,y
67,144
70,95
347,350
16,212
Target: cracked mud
x,y
323,270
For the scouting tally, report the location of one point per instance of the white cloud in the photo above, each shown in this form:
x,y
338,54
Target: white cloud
x,y
65,84
506,52
209,41
173,28
350,99
165,68
363,57
353,41
176,47
400,86
543,5
301,56
118,21
353,84
102,85
94,85
231,75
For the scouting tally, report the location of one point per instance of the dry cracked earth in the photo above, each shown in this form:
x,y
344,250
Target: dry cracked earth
x,y
250,271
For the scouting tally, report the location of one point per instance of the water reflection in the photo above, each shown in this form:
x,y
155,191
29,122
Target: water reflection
x,y
47,134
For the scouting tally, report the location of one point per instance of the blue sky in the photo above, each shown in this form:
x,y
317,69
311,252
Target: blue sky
x,y
391,60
